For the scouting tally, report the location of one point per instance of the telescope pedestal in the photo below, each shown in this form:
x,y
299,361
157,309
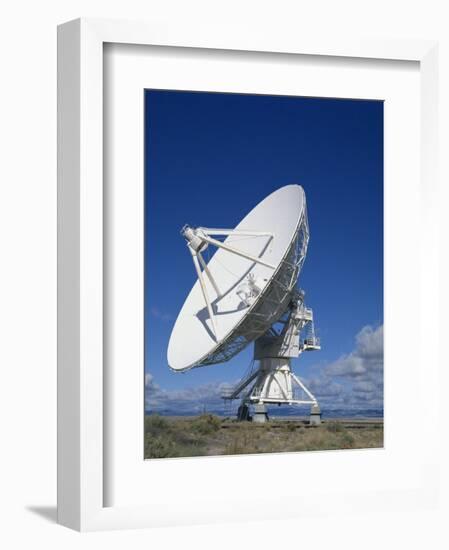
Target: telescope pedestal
x,y
274,382
260,414
315,415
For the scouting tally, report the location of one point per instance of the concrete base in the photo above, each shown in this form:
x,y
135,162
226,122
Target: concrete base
x,y
315,415
260,413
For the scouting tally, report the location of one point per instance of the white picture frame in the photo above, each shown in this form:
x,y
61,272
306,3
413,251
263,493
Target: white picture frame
x,y
81,450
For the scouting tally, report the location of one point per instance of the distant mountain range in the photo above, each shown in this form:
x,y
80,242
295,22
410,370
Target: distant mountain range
x,y
278,411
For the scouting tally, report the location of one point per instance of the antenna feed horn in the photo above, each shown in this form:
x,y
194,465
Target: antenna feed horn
x,y
194,238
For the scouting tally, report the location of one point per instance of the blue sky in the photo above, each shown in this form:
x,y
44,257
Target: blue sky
x,y
209,159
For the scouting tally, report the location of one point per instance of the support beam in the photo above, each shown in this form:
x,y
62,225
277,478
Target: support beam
x,y
303,387
209,274
280,387
265,386
204,290
219,244
239,232
242,385
283,402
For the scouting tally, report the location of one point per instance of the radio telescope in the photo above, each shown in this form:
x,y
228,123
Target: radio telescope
x,y
247,293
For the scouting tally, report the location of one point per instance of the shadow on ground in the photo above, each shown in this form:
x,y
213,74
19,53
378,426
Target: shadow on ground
x,y
46,512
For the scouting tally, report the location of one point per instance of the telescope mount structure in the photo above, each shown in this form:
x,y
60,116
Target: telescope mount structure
x,y
274,382
247,293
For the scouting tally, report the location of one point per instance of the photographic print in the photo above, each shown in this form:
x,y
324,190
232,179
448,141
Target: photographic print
x,y
263,274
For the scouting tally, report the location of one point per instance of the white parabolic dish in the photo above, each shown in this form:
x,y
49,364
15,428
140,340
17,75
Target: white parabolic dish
x,y
192,342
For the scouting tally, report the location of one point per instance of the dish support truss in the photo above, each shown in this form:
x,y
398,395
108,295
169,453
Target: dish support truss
x,y
273,300
274,382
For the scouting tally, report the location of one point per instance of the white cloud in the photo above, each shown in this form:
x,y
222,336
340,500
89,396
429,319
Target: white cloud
x,y
205,397
355,378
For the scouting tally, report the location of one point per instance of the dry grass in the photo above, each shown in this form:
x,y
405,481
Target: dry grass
x,y
211,435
